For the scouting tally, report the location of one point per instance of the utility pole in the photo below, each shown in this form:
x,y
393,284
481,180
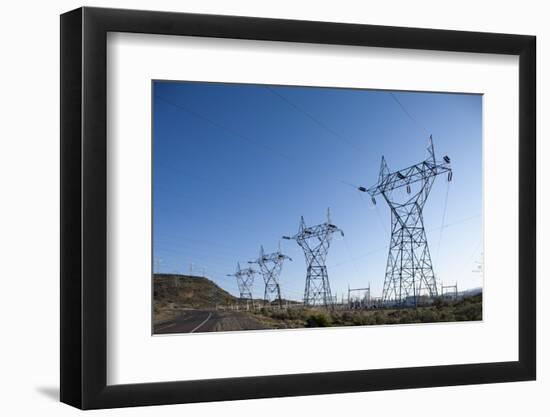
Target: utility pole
x,y
315,242
409,270
271,266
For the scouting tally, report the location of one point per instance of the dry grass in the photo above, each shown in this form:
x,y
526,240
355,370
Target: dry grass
x,y
468,309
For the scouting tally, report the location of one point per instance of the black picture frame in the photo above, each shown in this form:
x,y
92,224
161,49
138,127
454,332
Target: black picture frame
x,y
84,207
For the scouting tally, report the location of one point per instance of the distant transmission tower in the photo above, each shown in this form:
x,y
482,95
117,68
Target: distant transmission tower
x,y
409,271
315,241
271,266
245,281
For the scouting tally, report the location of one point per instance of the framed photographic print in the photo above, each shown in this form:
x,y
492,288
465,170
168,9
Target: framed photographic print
x,y
321,194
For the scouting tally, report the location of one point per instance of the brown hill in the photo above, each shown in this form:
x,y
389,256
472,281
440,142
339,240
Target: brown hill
x,y
184,291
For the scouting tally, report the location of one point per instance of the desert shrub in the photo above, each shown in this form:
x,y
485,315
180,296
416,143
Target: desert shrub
x,y
405,317
468,312
439,303
280,314
295,313
427,316
446,315
379,318
357,319
396,313
336,317
369,319
319,319
348,317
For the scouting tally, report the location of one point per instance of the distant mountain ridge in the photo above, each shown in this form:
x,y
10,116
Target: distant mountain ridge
x,y
470,292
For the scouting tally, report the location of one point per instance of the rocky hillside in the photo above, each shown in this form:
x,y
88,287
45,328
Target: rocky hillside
x,y
183,291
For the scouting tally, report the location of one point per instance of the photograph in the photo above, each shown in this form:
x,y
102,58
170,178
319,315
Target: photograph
x,y
304,207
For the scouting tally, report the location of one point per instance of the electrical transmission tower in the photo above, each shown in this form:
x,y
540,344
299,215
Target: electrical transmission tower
x,y
271,266
245,281
409,271
315,242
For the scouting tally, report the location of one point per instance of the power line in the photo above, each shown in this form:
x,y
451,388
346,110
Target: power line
x,y
179,250
168,240
352,259
379,215
408,114
313,119
198,178
193,253
235,133
223,127
442,221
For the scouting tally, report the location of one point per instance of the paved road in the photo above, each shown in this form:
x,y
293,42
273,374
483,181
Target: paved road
x,y
189,322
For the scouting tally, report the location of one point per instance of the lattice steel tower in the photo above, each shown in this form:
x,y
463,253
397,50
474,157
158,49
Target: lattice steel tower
x,y
245,281
271,266
315,241
409,271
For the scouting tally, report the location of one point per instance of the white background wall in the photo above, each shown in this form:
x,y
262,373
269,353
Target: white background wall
x,y
29,209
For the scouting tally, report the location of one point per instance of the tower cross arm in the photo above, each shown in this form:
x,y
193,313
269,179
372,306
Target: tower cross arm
x,y
408,176
281,256
315,231
333,229
271,257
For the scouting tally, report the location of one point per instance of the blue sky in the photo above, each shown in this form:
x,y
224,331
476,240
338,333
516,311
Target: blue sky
x,y
235,166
